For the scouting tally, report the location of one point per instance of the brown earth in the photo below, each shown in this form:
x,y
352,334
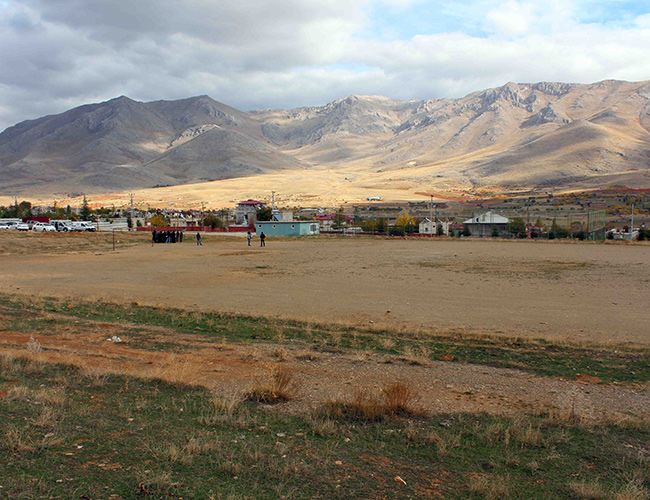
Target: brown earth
x,y
591,293
232,368
563,292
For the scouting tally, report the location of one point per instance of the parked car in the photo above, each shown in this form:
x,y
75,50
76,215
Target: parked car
x,y
62,225
23,226
82,225
42,227
11,225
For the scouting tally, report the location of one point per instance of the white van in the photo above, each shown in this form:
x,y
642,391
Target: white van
x,y
83,225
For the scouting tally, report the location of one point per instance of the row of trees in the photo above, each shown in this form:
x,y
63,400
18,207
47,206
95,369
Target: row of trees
x,y
25,209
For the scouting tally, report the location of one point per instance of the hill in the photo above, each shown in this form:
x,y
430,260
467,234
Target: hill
x,y
541,135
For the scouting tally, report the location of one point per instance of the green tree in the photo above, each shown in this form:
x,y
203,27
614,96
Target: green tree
x,y
85,210
264,213
518,227
439,230
466,232
213,221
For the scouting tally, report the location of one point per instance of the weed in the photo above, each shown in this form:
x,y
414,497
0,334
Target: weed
x,y
34,346
589,491
279,386
490,488
400,397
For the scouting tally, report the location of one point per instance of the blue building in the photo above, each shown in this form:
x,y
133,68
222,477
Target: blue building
x,y
293,228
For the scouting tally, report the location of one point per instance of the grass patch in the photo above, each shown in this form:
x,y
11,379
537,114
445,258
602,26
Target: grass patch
x,y
623,365
133,439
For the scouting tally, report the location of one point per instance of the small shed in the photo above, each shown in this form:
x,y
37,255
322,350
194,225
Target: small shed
x,y
291,228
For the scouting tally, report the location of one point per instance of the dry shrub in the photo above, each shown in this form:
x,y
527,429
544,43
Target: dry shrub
x,y
307,355
155,484
278,387
322,426
18,393
185,453
400,397
221,409
386,343
18,441
54,396
444,444
280,354
528,435
46,418
589,491
96,375
364,404
178,371
34,346
419,355
490,488
632,491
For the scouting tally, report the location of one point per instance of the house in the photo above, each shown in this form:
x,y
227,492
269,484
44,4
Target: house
x,y
246,211
292,228
428,226
487,225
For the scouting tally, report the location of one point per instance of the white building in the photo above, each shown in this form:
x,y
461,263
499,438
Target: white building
x,y
487,225
428,226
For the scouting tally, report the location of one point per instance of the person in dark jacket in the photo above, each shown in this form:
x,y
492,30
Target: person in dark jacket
x,y
262,238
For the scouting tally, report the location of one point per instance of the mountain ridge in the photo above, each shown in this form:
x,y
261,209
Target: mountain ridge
x,y
518,134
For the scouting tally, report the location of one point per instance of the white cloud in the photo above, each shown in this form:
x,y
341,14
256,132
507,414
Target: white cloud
x,y
60,53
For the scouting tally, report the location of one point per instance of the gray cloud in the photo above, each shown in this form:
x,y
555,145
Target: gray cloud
x,y
60,53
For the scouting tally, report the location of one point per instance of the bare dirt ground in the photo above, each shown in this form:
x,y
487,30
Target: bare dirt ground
x,y
591,293
561,292
230,369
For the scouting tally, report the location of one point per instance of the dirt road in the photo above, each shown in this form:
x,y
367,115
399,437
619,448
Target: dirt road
x,y
559,291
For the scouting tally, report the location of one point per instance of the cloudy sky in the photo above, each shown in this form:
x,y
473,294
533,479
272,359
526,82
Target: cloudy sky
x,y
57,54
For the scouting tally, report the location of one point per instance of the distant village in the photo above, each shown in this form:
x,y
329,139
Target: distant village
x,y
483,219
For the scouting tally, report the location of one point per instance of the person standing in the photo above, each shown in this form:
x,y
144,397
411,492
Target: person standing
x,y
198,239
262,238
249,236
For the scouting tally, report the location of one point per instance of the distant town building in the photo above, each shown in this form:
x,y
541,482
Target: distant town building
x,y
246,211
294,228
428,226
487,225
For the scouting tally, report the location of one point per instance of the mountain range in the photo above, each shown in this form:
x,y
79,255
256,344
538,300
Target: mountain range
x,y
542,135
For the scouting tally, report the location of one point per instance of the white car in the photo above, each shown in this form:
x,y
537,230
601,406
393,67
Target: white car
x,y
23,226
42,227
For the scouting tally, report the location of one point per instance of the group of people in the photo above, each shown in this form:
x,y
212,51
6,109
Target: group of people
x,y
166,237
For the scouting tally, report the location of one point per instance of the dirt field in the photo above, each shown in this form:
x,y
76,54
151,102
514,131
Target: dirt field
x,y
592,293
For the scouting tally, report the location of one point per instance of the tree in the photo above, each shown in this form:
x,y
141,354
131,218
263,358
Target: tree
x,y
518,227
339,220
85,210
159,221
213,221
466,232
495,232
264,213
405,223
439,230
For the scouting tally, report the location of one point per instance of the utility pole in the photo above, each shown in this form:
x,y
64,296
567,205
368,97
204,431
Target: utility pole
x,y
632,222
131,196
272,201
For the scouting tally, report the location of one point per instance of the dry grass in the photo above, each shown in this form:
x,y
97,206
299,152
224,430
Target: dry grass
x,y
417,355
278,386
490,488
445,444
177,371
364,404
589,491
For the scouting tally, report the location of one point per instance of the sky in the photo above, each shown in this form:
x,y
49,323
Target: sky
x,y
252,54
